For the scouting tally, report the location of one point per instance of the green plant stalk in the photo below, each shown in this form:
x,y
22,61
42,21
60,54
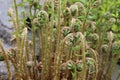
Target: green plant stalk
x,y
23,14
14,64
83,57
87,74
50,42
16,11
41,44
27,51
51,35
28,74
64,5
43,51
105,9
52,23
71,53
67,50
45,69
35,10
27,59
34,45
102,66
34,52
30,9
64,51
6,61
74,74
100,41
110,70
17,36
58,52
95,54
21,56
24,67
108,54
112,66
17,24
47,56
86,16
16,30
22,51
35,7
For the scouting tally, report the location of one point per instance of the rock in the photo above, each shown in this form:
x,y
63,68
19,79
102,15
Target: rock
x,y
5,33
5,26
4,71
116,73
4,6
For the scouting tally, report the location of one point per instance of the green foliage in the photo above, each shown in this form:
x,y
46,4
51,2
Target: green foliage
x,y
42,17
76,48
71,65
116,48
66,32
79,67
1,57
72,1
